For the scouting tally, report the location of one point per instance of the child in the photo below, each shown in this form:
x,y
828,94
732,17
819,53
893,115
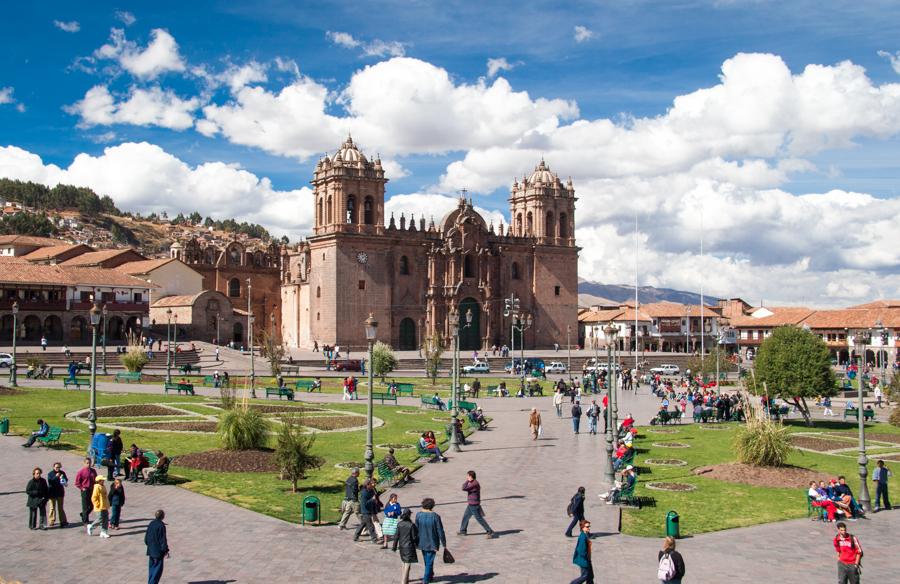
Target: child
x,y
391,517
116,502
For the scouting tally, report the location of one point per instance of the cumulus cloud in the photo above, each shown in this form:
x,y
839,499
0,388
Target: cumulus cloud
x,y
494,66
70,26
582,34
142,107
374,48
894,58
159,56
125,17
6,97
431,206
144,178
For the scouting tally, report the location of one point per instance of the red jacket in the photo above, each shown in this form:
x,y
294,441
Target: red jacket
x,y
848,548
84,480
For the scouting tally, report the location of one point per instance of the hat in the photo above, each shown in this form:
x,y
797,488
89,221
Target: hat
x,y
100,478
629,467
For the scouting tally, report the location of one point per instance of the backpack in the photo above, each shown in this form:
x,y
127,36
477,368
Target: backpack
x,y
666,569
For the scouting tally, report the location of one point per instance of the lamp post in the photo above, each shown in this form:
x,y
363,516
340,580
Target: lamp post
x,y
105,313
569,351
862,339
95,315
218,320
882,352
454,388
250,320
614,387
371,326
524,323
168,345
609,331
272,323
15,330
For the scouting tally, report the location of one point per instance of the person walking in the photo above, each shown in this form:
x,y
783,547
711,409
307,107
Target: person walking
x,y
57,481
101,505
575,510
534,422
558,401
38,493
406,540
605,403
157,547
582,555
849,554
879,396
880,475
43,343
391,518
116,502
115,455
368,509
671,564
350,504
431,536
473,506
593,414
84,482
576,416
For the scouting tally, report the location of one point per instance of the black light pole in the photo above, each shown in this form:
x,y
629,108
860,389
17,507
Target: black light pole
x,y
15,330
92,415
168,345
862,339
371,327
608,331
105,313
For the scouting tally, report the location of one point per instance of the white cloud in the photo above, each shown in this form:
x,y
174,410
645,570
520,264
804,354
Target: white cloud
x,y
143,107
142,177
894,58
71,26
125,17
375,48
160,56
494,66
431,205
6,97
582,34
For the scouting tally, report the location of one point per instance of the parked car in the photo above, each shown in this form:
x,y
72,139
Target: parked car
x,y
593,364
6,360
666,369
555,367
347,365
477,367
532,362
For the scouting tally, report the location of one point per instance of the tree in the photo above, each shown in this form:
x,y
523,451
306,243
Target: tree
x,y
383,360
293,452
433,350
707,369
272,350
195,218
793,364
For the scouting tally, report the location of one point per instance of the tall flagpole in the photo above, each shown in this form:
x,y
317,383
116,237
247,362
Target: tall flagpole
x,y
700,271
636,246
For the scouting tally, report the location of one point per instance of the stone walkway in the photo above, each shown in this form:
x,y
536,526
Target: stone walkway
x,y
526,486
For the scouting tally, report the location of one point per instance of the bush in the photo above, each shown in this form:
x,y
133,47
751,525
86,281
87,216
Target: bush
x,y
383,360
762,442
134,359
241,429
294,450
895,417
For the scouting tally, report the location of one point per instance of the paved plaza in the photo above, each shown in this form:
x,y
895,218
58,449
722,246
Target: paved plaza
x,y
526,486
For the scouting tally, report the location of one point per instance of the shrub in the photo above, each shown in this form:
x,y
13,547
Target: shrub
x,y
895,417
383,360
762,442
294,450
134,359
241,429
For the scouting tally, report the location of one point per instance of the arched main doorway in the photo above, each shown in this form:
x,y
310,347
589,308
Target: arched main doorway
x,y
53,328
469,336
6,327
78,329
238,333
407,340
115,329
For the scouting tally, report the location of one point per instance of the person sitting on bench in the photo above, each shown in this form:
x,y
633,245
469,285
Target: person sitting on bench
x,y
818,498
842,489
626,484
429,444
436,400
478,417
317,385
391,461
43,430
161,463
621,454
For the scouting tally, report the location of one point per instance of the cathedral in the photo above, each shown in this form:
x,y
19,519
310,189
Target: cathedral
x,y
411,275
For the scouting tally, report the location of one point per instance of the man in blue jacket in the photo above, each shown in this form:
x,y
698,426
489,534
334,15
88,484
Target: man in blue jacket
x,y
582,556
157,546
43,430
431,536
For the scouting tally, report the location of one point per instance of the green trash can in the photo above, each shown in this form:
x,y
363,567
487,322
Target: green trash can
x,y
672,525
4,426
311,509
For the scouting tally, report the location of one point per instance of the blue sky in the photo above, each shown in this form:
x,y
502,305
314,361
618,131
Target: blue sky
x,y
70,70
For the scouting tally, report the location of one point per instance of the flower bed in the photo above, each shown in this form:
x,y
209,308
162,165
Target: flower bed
x,y
133,411
674,487
334,422
663,431
671,445
229,460
666,461
395,446
203,426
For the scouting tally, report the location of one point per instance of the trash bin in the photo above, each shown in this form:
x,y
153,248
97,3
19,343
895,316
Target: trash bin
x,y
311,509
4,426
672,525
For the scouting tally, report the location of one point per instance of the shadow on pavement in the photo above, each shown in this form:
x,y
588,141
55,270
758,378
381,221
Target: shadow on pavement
x,y
507,532
211,581
465,577
512,447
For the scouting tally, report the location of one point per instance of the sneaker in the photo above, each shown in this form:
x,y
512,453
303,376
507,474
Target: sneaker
x,y
609,502
104,535
492,535
89,529
460,533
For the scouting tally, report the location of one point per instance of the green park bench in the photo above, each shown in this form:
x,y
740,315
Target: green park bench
x,y
663,417
280,392
628,498
306,384
161,476
405,389
854,413
185,388
290,369
535,388
76,382
494,390
210,381
188,368
52,437
428,404
128,377
383,395
386,475
465,406
424,453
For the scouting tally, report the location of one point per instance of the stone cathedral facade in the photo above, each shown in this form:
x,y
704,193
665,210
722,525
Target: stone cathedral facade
x,y
410,273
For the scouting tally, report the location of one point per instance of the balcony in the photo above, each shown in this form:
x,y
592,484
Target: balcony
x,y
110,306
25,305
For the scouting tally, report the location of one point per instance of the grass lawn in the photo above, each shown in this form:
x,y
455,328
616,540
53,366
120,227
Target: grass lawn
x,y
716,504
261,492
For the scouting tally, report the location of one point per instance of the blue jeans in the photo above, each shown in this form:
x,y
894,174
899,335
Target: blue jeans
x,y
593,423
429,566
576,422
114,516
474,511
574,523
155,571
586,577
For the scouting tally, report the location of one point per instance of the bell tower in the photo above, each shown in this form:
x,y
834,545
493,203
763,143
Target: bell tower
x,y
348,192
542,207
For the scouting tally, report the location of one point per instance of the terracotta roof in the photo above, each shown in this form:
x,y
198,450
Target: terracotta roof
x,y
879,304
142,267
854,318
186,300
594,316
781,317
28,273
676,309
627,315
47,253
93,258
28,240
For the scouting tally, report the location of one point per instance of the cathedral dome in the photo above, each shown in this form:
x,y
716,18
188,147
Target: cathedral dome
x,y
349,153
542,174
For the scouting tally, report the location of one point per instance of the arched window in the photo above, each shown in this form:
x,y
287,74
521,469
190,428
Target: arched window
x,y
351,209
319,212
519,231
549,225
515,271
563,226
404,265
529,224
318,292
234,288
468,266
368,211
328,211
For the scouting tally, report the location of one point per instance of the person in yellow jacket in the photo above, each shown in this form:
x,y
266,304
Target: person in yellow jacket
x,y
101,506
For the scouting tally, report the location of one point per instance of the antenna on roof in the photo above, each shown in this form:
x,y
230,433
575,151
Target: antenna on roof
x,y
462,193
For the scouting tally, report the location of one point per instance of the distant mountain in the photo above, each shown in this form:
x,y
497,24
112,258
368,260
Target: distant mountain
x,y
622,293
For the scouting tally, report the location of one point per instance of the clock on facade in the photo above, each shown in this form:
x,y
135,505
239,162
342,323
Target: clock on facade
x,y
362,257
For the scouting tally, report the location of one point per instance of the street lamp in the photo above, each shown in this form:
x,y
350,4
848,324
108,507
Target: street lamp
x,y
569,351
250,320
524,323
12,369
105,314
610,333
862,339
168,345
454,387
882,352
92,415
371,326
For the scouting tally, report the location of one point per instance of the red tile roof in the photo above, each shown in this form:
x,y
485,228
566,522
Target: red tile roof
x,y
782,316
48,253
57,275
26,240
142,267
94,258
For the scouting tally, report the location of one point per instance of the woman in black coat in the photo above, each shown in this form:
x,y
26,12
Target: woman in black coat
x,y
406,539
38,492
576,510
